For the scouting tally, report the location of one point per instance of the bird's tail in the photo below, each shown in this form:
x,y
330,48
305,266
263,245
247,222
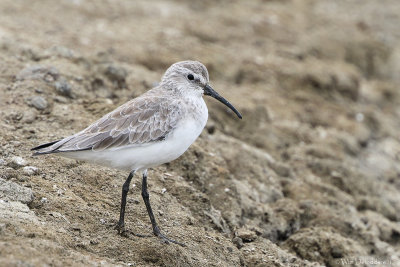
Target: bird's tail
x,y
45,148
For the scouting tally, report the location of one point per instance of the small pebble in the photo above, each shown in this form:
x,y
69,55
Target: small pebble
x,y
359,117
336,252
44,200
246,235
29,116
117,74
94,242
163,190
238,242
60,99
30,170
2,162
17,162
38,72
15,143
227,190
63,87
39,102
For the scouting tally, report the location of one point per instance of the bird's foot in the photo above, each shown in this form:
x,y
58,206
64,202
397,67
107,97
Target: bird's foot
x,y
164,238
120,227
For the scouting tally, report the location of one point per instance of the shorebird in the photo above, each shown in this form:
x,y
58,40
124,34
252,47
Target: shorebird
x,y
152,129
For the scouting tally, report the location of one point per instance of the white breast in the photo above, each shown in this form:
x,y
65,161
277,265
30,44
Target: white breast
x,y
156,153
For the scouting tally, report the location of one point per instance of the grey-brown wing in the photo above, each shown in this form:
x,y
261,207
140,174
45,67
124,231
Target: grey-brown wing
x,y
138,122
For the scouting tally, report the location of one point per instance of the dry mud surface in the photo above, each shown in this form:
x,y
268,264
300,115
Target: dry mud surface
x,y
309,177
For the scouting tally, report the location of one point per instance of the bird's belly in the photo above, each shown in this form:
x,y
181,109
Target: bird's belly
x,y
149,155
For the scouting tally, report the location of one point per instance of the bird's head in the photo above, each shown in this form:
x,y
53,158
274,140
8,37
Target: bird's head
x,y
191,78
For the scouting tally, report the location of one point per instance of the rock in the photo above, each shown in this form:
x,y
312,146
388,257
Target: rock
x,y
29,116
60,99
39,102
63,87
246,235
2,162
14,192
238,242
336,252
116,74
16,212
38,72
17,162
30,170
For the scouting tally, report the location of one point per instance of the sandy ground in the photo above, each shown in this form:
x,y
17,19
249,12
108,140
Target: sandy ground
x,y
309,177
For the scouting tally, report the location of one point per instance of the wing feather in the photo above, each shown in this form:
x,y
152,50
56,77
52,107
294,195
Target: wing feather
x,y
140,121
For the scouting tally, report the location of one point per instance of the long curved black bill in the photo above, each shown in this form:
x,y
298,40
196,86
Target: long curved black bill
x,y
208,90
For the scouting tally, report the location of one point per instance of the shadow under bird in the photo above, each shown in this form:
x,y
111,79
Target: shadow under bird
x,y
152,129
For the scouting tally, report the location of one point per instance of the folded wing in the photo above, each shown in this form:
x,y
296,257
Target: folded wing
x,y
138,122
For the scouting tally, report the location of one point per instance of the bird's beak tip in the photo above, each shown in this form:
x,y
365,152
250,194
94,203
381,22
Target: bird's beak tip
x,y
208,90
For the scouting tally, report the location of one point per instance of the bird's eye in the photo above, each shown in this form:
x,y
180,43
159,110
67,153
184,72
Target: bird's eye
x,y
190,77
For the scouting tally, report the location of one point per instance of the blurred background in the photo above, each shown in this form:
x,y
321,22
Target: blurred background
x,y
309,177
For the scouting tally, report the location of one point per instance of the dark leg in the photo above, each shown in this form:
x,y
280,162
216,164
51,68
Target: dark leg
x,y
125,188
146,199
